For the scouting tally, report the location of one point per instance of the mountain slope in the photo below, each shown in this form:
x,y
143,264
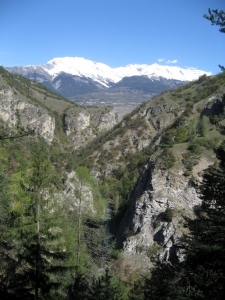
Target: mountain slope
x,y
72,76
151,162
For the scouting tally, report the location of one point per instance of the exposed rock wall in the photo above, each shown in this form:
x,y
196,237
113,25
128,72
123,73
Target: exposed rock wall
x,y
80,124
144,232
83,125
154,116
70,194
15,112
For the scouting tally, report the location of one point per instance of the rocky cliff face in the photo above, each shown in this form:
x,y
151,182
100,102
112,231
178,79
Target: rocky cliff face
x,y
153,114
70,194
16,112
145,231
82,125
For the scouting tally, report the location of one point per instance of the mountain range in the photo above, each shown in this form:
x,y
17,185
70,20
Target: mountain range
x,y
82,80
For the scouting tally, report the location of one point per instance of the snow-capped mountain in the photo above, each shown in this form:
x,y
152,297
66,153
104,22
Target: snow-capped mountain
x,y
72,76
103,74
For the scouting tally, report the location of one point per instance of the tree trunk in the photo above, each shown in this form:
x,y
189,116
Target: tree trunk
x,y
37,256
79,233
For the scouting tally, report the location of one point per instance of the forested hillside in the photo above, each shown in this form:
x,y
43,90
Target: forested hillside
x,y
89,204
53,216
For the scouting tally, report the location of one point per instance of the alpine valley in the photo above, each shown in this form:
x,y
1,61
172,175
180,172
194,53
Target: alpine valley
x,y
90,204
92,83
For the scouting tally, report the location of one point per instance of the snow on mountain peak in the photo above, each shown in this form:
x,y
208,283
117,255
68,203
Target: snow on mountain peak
x,y
80,67
104,74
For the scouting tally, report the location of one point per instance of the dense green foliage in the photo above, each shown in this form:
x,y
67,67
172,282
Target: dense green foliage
x,y
40,252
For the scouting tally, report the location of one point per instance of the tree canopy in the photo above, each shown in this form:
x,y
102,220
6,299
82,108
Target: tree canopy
x,y
217,18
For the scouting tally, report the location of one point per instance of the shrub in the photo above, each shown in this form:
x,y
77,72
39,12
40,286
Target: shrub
x,y
153,249
140,248
189,160
203,125
167,159
156,223
195,148
168,214
181,134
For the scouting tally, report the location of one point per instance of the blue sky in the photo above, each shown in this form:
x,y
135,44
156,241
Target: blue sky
x,y
117,33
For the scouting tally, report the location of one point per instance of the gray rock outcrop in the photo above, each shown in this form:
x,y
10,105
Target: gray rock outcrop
x,y
16,112
77,193
83,125
144,231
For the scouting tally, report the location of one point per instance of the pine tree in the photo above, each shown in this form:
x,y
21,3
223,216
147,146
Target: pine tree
x,y
79,289
107,287
8,263
37,232
217,18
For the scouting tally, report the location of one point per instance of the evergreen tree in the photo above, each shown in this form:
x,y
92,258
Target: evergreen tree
x,y
87,235
8,262
79,289
37,232
217,18
203,125
165,282
107,287
136,292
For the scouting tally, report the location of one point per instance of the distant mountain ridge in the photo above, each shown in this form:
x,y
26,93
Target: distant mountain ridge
x,y
74,76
